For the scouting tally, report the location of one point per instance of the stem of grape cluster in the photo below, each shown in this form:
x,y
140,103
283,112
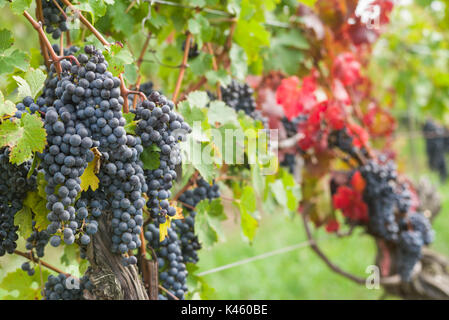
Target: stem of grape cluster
x,y
183,67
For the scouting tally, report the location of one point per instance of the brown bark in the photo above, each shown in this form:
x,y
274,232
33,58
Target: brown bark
x,y
111,279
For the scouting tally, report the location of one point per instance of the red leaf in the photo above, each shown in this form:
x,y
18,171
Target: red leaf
x,y
357,182
346,68
332,226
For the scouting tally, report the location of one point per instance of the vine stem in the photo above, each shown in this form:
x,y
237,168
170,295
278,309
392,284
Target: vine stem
x,y
45,264
168,292
38,27
40,17
87,24
187,186
183,67
215,67
314,246
60,9
125,92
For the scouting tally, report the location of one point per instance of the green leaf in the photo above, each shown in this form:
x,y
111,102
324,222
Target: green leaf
x,y
251,36
150,158
11,59
38,205
199,99
6,39
31,85
6,107
207,233
201,64
70,255
219,112
191,113
118,57
239,62
18,6
248,222
23,220
25,285
23,137
130,126
220,76
35,79
248,199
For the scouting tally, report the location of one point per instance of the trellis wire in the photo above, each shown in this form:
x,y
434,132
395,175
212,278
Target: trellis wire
x,y
259,257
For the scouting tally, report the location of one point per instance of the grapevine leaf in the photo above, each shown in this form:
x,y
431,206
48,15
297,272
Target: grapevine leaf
x,y
130,126
220,76
20,281
18,6
216,210
239,62
36,161
83,265
201,64
198,99
219,112
118,57
24,138
23,220
251,36
24,88
163,230
11,59
248,222
6,107
150,158
248,199
70,255
6,39
38,205
88,178
35,79
198,284
207,234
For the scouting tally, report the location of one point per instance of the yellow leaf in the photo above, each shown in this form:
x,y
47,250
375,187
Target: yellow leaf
x,y
163,230
89,179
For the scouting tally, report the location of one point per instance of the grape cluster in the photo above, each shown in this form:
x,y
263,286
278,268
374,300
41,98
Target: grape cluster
x,y
26,106
37,240
289,162
193,51
185,228
173,273
291,126
83,115
68,151
26,266
14,186
342,140
146,88
436,144
380,197
54,21
391,216
161,128
240,96
64,287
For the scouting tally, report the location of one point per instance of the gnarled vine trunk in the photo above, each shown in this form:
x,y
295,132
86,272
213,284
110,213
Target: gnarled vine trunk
x,y
111,279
